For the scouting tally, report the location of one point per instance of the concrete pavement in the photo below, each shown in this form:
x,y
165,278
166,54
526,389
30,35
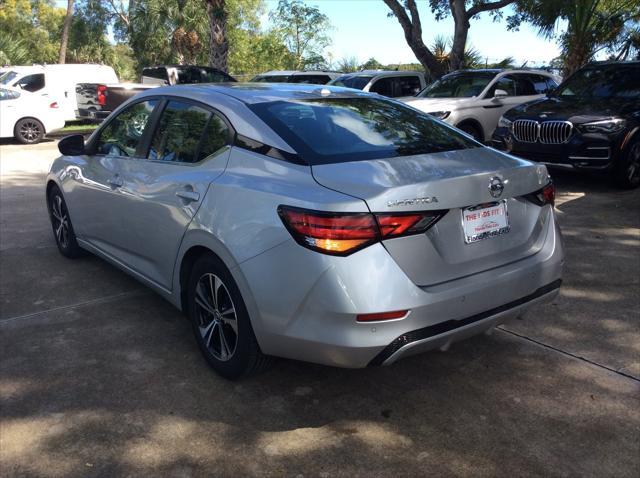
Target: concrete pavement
x,y
100,377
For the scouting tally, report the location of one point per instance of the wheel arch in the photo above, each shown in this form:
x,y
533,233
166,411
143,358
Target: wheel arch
x,y
196,243
476,124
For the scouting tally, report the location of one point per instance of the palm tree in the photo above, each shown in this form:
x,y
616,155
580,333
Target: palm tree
x,y
591,25
441,48
65,32
12,51
218,45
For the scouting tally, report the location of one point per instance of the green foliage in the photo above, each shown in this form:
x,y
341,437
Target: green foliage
x,y
592,25
12,52
348,64
304,30
371,64
36,25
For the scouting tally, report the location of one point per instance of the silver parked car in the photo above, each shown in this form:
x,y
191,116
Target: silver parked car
x,y
316,223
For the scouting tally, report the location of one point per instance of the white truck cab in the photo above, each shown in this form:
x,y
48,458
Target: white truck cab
x,y
57,82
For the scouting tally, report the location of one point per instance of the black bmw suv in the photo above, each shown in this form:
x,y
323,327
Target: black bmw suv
x,y
590,122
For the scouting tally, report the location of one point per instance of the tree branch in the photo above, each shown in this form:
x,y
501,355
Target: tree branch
x,y
119,12
484,7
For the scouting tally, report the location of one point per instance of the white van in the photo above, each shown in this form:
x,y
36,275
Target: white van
x,y
58,82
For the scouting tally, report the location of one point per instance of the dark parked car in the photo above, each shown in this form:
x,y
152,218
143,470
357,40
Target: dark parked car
x,y
590,122
97,101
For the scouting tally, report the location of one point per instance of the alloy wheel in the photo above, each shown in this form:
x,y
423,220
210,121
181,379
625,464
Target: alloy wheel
x,y
216,316
60,219
30,130
633,167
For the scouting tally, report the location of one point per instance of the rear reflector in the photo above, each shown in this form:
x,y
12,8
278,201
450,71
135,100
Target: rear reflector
x,y
54,105
344,233
398,314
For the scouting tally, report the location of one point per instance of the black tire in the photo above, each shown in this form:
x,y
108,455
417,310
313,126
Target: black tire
x,y
213,326
29,131
61,225
627,173
472,130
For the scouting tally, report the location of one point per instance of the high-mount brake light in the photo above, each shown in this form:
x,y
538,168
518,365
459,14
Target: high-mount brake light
x,y
345,233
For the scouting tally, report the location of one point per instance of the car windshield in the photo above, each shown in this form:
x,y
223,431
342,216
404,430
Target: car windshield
x,y
335,130
8,77
619,81
271,79
458,85
352,81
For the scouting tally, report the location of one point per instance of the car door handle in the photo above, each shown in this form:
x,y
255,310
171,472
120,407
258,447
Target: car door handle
x,y
115,182
188,196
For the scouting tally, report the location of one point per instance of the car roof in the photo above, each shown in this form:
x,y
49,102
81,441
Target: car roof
x,y
384,72
252,93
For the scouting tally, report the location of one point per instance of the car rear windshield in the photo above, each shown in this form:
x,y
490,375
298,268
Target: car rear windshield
x,y
606,81
357,82
8,77
458,85
336,130
197,74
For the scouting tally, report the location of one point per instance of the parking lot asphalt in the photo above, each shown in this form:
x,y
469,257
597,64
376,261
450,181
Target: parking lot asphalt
x,y
101,377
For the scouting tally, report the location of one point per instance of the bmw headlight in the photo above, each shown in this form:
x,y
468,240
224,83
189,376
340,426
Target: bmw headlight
x,y
604,126
504,123
440,114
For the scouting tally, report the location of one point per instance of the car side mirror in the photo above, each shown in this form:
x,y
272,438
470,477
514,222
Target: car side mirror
x,y
72,145
498,93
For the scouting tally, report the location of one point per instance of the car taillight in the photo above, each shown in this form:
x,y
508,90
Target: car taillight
x,y
342,234
546,195
53,105
102,95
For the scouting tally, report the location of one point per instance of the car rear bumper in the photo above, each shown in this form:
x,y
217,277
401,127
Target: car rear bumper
x,y
304,304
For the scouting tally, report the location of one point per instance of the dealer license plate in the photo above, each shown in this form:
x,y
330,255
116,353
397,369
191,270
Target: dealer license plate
x,y
484,221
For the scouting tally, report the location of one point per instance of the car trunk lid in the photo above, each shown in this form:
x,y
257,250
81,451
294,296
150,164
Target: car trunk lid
x,y
452,181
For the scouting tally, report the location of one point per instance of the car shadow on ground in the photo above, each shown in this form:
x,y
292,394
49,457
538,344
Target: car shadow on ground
x,y
99,376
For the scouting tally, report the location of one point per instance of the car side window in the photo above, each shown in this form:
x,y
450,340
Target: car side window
x,y
407,85
32,83
384,87
524,85
177,137
122,135
505,83
216,136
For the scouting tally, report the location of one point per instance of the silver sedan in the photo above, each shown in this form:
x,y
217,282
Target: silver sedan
x,y
314,223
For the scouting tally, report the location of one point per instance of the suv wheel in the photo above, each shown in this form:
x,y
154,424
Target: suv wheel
x,y
29,131
627,173
220,321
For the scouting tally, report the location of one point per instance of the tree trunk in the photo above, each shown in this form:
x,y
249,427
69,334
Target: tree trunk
x,y
65,32
218,45
413,35
461,31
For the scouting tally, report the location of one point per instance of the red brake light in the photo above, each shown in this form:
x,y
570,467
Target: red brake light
x,y
394,225
53,105
344,233
546,195
102,94
331,233
549,194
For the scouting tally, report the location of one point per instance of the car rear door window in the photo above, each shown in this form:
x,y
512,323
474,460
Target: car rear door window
x,y
383,86
407,85
216,136
123,134
32,83
177,137
524,85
